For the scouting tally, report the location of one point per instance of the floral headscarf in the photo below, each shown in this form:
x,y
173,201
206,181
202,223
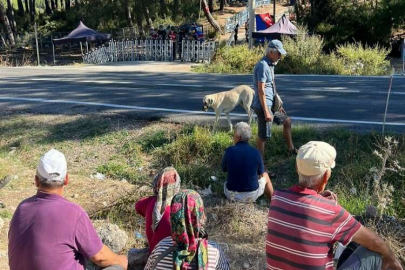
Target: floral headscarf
x,y
165,185
190,240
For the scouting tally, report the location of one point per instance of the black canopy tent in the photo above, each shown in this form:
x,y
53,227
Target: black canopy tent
x,y
282,27
81,34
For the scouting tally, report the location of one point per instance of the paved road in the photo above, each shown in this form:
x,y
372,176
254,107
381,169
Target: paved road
x,y
351,100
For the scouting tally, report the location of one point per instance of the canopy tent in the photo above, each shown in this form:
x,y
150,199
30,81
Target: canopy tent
x,y
282,27
81,34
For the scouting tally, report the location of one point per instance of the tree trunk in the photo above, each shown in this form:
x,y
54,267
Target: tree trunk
x,y
32,10
2,38
175,10
20,7
48,7
139,19
4,21
67,4
11,18
147,16
163,9
27,7
53,6
211,5
210,19
221,5
128,14
56,4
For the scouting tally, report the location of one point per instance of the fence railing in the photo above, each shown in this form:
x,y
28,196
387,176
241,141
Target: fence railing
x,y
151,50
196,51
241,17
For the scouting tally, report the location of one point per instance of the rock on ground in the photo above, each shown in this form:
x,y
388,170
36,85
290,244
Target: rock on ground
x,y
112,236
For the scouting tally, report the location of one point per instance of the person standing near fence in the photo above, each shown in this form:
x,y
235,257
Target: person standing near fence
x,y
247,30
236,33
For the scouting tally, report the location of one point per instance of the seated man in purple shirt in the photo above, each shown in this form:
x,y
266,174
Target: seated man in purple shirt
x,y
47,232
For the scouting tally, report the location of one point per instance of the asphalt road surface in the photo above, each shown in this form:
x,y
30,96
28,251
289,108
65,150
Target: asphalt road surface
x,y
356,101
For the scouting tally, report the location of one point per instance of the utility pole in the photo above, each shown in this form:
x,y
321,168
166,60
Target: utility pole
x,y
252,21
36,42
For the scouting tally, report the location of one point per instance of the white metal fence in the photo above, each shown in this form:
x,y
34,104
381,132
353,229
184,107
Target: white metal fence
x,y
241,17
151,50
196,51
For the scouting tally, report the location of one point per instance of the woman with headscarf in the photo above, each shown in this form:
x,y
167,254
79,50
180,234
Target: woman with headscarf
x,y
188,247
156,208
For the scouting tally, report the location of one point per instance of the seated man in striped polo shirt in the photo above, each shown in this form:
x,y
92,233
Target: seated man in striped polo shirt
x,y
305,221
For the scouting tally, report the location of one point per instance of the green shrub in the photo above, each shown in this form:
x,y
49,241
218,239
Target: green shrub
x,y
233,59
305,55
364,60
200,145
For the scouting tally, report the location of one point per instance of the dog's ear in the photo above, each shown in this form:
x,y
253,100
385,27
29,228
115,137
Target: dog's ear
x,y
210,101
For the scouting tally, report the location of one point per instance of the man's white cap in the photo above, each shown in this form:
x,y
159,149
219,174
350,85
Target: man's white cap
x,y
315,158
52,166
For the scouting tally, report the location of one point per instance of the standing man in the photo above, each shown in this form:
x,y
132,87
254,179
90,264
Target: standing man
x,y
236,33
265,89
48,232
306,220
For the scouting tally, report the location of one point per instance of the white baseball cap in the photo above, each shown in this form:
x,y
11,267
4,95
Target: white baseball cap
x,y
315,158
52,166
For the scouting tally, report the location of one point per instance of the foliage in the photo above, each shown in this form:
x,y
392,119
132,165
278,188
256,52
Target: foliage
x,y
364,60
233,60
305,55
339,21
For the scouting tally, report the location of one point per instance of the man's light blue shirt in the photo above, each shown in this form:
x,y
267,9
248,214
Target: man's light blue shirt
x,y
263,72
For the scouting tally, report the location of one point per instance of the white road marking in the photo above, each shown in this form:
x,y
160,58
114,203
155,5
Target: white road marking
x,y
323,120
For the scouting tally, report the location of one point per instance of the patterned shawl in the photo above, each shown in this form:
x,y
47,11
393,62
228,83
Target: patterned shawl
x,y
165,185
190,240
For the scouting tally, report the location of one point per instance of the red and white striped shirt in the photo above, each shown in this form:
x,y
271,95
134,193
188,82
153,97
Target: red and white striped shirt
x,y
302,228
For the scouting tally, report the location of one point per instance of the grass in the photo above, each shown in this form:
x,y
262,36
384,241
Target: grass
x,y
122,148
112,147
5,214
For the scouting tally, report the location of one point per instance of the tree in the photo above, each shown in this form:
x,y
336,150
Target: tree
x,y
27,7
221,5
53,5
163,9
11,18
32,10
175,10
20,7
211,5
5,22
128,14
67,4
48,9
210,19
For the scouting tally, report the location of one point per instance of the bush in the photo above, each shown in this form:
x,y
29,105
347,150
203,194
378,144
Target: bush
x,y
305,56
200,145
233,59
364,60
